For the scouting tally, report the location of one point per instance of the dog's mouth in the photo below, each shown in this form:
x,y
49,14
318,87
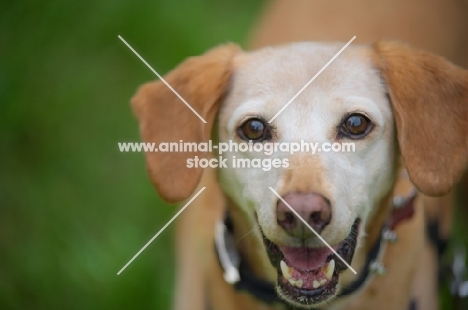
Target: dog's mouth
x,y
309,276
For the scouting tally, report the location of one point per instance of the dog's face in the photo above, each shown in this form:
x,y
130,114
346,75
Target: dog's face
x,y
383,98
347,103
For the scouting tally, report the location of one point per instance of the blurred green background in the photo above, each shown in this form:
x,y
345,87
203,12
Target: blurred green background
x,y
73,209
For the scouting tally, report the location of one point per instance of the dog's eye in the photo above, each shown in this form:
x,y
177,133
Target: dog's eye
x,y
254,129
355,125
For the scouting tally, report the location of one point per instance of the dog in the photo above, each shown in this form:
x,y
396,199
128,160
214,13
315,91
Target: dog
x,y
405,110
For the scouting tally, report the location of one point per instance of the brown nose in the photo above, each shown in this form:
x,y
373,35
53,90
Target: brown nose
x,y
313,208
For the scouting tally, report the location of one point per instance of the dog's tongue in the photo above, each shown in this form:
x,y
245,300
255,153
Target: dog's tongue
x,y
306,258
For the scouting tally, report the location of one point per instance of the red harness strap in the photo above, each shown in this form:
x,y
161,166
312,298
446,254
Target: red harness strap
x,y
401,212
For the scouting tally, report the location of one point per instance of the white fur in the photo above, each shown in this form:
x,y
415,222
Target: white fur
x,y
263,82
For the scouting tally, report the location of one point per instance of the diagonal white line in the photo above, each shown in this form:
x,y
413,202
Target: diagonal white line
x,y
311,80
163,80
161,230
318,236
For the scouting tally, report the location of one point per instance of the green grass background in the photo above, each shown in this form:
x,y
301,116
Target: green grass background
x,y
73,210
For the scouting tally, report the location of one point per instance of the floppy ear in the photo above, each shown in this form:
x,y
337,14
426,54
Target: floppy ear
x,y
163,117
429,97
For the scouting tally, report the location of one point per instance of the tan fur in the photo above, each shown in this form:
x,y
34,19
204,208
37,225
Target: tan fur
x,y
303,180
438,26
429,99
175,121
431,125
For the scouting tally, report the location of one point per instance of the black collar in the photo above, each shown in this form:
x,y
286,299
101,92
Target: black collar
x,y
237,272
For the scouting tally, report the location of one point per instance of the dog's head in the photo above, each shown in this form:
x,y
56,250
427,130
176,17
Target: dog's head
x,y
387,99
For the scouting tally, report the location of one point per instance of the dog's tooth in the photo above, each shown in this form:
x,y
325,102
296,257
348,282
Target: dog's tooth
x,y
322,282
297,283
287,274
316,284
329,269
286,270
